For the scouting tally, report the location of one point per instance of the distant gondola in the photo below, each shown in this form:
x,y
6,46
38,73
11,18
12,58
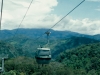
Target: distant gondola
x,y
43,55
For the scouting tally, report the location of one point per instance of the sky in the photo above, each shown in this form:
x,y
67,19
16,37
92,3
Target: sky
x,y
45,13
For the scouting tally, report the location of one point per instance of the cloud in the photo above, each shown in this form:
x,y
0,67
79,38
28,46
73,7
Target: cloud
x,y
84,26
14,11
39,16
94,0
97,9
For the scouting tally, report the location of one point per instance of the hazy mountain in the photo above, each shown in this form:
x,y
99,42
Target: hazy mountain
x,y
97,36
35,33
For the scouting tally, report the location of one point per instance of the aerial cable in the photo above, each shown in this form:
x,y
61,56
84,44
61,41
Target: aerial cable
x,y
63,17
23,17
66,15
21,23
1,13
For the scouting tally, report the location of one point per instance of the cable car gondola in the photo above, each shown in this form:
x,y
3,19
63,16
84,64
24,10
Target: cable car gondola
x,y
43,55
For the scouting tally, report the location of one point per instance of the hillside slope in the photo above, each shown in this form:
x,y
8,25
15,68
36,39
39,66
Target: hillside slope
x,y
72,42
9,50
29,46
35,33
86,57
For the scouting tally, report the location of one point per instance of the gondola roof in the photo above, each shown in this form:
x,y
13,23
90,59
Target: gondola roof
x,y
43,48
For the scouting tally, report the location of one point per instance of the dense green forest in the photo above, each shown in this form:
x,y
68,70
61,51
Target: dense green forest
x,y
85,58
6,49
28,66
72,42
81,60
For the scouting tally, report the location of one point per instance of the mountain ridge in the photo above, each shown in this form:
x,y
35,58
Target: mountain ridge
x,y
35,33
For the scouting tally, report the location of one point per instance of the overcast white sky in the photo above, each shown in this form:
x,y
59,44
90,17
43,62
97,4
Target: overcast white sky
x,y
45,13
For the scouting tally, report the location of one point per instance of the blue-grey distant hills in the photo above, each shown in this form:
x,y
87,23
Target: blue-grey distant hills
x,y
35,33
26,40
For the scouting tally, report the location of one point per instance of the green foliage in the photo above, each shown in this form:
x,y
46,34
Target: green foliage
x,y
20,64
86,57
12,72
28,66
69,43
83,60
9,50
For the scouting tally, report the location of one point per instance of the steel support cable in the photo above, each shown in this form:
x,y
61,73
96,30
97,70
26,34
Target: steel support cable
x,y
63,17
23,18
1,13
66,15
20,22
